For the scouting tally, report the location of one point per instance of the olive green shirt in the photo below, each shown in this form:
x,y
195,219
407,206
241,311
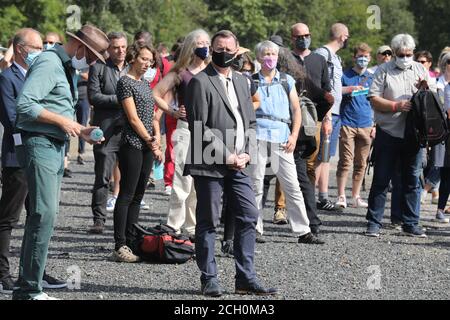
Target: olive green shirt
x,y
46,87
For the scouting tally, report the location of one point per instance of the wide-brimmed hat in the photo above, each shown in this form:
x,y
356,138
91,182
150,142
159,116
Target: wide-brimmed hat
x,y
94,39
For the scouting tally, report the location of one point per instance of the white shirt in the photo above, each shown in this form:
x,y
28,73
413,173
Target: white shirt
x,y
234,103
23,71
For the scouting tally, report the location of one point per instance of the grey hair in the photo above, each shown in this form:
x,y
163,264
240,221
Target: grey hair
x,y
443,62
262,46
402,41
117,35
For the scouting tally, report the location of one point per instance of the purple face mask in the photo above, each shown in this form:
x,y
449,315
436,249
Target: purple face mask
x,y
270,62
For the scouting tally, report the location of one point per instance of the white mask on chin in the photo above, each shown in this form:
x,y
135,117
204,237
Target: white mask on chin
x,y
403,63
80,64
150,74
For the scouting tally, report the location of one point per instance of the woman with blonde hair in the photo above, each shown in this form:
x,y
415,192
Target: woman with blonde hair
x,y
193,58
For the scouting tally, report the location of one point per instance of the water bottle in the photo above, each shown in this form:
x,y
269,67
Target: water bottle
x,y
325,156
96,134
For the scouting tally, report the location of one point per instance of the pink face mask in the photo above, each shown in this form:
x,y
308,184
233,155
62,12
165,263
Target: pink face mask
x,y
270,62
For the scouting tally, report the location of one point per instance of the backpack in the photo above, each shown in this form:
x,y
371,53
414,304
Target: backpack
x,y
309,116
161,244
331,65
426,123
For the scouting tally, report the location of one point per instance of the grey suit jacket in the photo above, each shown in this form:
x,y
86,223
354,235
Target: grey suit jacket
x,y
102,85
213,125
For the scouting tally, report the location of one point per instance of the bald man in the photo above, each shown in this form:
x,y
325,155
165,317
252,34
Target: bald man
x,y
339,36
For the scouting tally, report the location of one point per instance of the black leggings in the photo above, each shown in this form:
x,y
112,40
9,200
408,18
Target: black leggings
x,y
444,188
135,166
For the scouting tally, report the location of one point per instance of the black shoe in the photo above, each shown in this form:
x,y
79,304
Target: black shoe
x,y
151,183
97,228
67,173
327,205
80,160
192,238
254,288
7,285
260,238
211,288
309,238
414,232
227,248
48,282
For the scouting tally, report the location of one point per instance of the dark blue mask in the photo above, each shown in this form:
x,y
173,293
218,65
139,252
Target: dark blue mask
x,y
202,53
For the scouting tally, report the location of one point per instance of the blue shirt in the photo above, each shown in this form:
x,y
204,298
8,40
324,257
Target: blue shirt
x,y
356,112
274,102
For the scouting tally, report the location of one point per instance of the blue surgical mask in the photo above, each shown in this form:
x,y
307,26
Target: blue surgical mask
x,y
48,46
202,53
362,62
31,57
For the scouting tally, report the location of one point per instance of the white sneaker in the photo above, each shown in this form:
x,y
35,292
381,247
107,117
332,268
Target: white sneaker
x,y
43,296
423,197
110,205
144,206
359,203
124,254
168,190
341,202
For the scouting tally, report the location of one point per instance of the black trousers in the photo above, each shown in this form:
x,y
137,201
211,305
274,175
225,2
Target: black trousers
x,y
14,195
105,156
308,190
135,166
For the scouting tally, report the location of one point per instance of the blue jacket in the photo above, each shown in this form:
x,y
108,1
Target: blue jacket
x,y
11,83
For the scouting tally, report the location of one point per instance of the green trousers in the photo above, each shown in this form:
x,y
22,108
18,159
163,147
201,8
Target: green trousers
x,y
42,159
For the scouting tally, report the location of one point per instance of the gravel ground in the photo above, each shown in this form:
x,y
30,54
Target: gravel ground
x,y
348,266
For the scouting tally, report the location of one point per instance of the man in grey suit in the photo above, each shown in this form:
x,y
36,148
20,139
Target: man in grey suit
x,y
221,119
108,116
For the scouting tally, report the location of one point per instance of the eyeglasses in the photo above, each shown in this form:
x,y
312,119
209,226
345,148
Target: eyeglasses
x,y
51,42
386,53
448,62
405,55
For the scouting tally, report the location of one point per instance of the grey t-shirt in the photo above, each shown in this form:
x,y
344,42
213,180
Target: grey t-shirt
x,y
336,81
392,83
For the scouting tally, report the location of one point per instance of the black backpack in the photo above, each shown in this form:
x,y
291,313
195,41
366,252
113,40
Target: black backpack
x,y
426,123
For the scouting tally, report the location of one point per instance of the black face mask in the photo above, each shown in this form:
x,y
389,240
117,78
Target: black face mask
x,y
238,63
222,59
345,45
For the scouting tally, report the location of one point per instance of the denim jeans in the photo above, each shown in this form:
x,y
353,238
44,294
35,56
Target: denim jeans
x,y
391,155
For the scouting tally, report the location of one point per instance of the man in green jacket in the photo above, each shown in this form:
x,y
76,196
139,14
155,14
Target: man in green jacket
x,y
45,113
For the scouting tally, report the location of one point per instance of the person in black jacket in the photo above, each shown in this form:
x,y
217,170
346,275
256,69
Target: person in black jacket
x,y
108,115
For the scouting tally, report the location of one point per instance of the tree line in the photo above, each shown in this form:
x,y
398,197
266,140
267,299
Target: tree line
x,y
251,20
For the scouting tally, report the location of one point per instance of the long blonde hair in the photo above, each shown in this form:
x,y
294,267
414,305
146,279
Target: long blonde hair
x,y
187,55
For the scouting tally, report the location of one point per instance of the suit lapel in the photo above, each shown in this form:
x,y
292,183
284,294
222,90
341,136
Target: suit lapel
x,y
17,72
217,83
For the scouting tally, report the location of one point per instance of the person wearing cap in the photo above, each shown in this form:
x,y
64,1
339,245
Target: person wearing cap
x,y
45,111
278,40
384,54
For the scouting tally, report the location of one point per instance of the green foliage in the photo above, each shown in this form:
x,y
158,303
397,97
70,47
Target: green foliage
x,y
251,20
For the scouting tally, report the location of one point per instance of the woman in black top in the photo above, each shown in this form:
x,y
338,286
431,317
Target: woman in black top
x,y
139,146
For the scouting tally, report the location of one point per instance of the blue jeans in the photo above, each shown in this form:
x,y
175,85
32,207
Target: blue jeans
x,y
396,197
391,156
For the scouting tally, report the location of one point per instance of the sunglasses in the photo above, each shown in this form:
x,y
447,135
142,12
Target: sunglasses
x,y
404,55
386,53
448,62
422,61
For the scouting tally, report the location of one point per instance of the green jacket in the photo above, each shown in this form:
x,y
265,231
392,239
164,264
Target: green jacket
x,y
46,87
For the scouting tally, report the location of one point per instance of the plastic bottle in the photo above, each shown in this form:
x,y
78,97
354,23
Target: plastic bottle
x,y
96,134
325,156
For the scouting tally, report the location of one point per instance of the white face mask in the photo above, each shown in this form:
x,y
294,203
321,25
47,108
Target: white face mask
x,y
150,74
80,64
403,63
